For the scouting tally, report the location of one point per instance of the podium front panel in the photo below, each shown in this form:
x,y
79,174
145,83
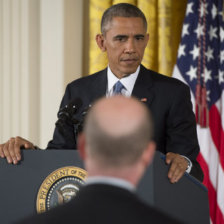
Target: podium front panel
x,y
186,200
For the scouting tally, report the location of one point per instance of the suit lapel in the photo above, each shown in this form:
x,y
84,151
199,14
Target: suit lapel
x,y
143,88
99,85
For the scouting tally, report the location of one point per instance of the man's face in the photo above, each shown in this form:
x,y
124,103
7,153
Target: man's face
x,y
125,41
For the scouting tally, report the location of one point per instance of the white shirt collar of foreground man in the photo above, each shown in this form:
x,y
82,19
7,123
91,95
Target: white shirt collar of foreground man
x,y
114,181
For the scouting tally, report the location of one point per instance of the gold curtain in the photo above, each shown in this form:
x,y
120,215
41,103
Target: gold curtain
x,y
165,19
97,59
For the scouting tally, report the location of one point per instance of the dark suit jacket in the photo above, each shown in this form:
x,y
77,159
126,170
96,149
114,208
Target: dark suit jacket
x,y
103,204
167,98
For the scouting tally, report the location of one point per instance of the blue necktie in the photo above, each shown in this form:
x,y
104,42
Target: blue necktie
x,y
117,88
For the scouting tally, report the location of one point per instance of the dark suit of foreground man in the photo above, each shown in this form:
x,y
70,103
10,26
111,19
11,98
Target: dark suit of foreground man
x,y
116,148
124,39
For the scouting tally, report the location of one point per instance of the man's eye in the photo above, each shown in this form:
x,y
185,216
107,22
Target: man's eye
x,y
139,38
121,39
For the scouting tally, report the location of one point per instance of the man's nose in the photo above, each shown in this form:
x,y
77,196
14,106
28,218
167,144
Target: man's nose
x,y
129,47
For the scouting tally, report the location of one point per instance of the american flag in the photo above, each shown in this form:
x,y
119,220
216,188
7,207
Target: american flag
x,y
200,64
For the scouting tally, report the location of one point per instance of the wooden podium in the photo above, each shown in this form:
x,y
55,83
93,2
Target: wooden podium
x,y
186,200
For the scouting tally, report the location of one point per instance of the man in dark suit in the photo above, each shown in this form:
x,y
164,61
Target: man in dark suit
x,y
124,39
116,148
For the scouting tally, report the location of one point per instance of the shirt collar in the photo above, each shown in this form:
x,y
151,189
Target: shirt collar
x,y
117,182
128,82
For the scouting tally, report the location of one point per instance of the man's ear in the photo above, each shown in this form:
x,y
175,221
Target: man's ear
x,y
81,146
149,153
147,39
100,40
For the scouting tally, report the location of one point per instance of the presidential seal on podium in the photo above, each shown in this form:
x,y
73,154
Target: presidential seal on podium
x,y
60,187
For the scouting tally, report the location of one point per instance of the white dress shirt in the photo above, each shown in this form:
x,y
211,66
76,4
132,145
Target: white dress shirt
x,y
128,82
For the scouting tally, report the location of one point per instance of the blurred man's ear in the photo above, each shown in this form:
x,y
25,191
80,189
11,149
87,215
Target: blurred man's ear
x,y
100,42
81,146
149,153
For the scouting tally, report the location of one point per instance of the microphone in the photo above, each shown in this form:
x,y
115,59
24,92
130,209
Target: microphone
x,y
65,114
66,117
79,126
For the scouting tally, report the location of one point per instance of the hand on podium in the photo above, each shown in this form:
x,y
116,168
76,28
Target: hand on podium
x,y
11,150
178,166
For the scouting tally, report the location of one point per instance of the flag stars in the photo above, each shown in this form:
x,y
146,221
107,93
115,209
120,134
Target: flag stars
x,y
214,11
189,8
185,30
199,30
192,73
195,52
209,54
220,13
207,75
221,34
221,56
221,77
203,9
181,51
212,32
208,95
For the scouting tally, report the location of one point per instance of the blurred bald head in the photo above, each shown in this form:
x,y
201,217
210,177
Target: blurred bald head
x,y
117,131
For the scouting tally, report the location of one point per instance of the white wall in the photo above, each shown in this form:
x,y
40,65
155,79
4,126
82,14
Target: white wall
x,y
36,38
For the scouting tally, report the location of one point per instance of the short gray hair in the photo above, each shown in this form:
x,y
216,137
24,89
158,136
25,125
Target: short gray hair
x,y
121,10
117,151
